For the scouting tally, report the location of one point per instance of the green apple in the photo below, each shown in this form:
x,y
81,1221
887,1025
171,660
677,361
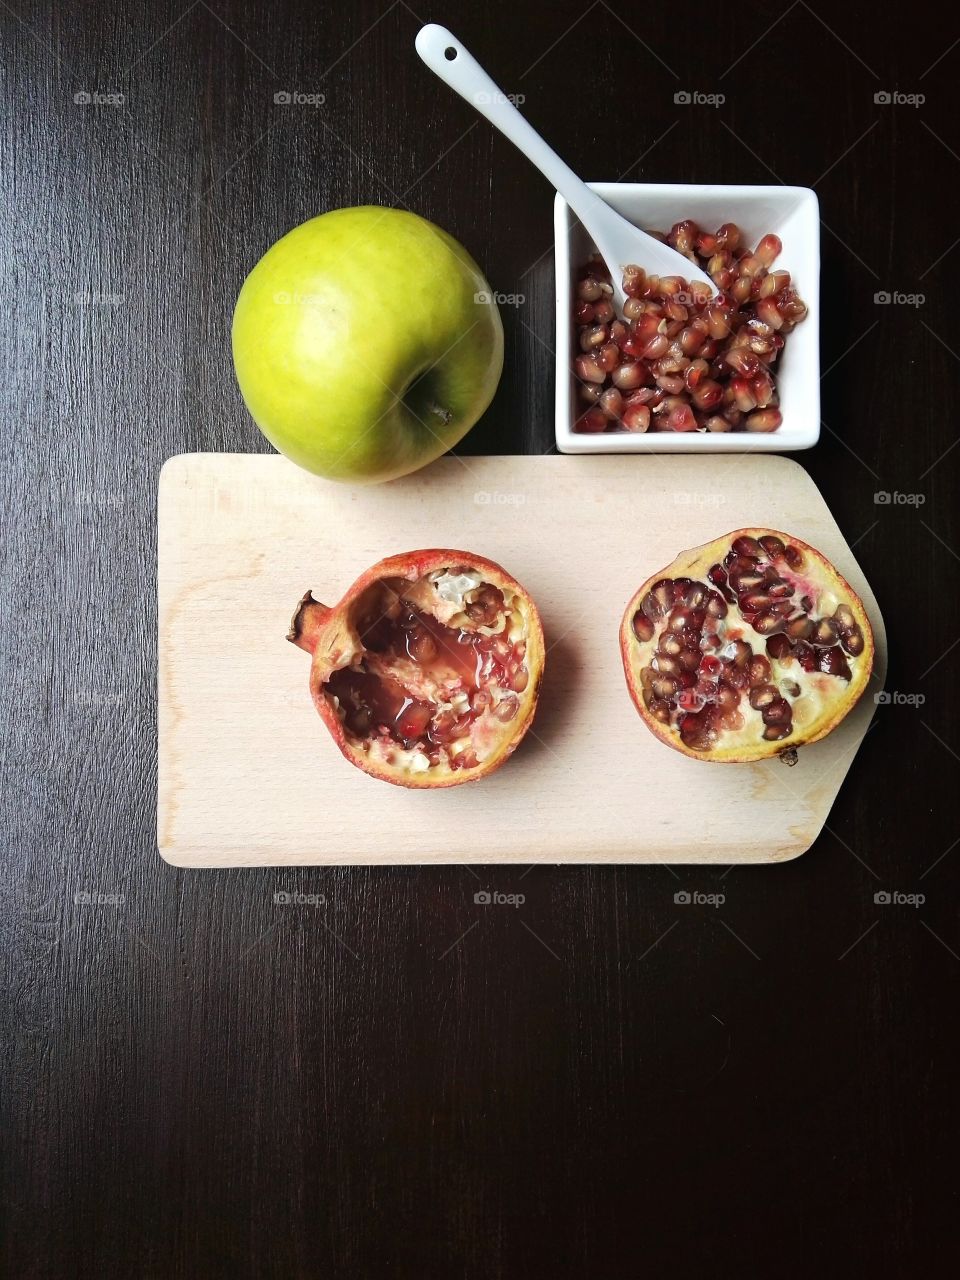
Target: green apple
x,y
366,343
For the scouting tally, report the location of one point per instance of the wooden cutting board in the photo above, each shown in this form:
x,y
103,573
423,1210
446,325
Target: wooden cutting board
x,y
247,772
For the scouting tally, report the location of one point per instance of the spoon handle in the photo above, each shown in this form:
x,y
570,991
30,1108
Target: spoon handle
x,y
456,66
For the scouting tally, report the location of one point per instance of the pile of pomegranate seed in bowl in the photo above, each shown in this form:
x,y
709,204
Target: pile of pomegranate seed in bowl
x,y
680,358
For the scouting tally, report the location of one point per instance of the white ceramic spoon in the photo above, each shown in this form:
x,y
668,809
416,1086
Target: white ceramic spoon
x,y
619,242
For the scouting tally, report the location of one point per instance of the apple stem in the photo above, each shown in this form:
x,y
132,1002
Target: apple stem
x,y
444,415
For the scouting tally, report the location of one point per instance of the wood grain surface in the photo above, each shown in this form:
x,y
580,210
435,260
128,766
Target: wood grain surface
x,y
247,774
600,1081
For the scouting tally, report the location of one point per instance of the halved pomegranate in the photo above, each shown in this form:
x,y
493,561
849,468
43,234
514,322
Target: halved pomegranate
x,y
746,648
428,670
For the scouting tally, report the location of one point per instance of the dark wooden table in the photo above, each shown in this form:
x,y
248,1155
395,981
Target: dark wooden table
x,y
198,1084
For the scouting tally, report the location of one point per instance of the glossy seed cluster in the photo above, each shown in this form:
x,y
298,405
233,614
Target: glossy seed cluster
x,y
706,673
680,358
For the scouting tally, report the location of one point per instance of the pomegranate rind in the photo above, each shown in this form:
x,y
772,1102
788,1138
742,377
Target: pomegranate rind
x,y
695,563
329,634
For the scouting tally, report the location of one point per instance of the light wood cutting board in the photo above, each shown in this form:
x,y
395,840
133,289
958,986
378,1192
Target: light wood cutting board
x,y
248,774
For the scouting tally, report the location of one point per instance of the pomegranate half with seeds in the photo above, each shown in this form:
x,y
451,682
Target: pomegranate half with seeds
x,y
746,648
428,670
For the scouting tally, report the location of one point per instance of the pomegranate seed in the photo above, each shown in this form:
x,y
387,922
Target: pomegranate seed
x,y
611,402
740,291
629,376
765,288
589,290
682,419
717,423
746,545
742,395
758,669
728,236
592,421
634,282
832,662
765,420
774,732
762,696
825,632
777,711
691,340
800,628
768,249
719,319
683,235
656,347
853,641
769,313
695,373
762,388
636,417
583,313
742,361
793,556
594,335
699,294
589,370
609,356
642,626
708,395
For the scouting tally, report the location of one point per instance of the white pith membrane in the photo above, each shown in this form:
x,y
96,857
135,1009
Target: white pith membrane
x,y
436,679
757,650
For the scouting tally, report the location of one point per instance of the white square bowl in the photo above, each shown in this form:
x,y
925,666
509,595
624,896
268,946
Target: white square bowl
x,y
792,213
